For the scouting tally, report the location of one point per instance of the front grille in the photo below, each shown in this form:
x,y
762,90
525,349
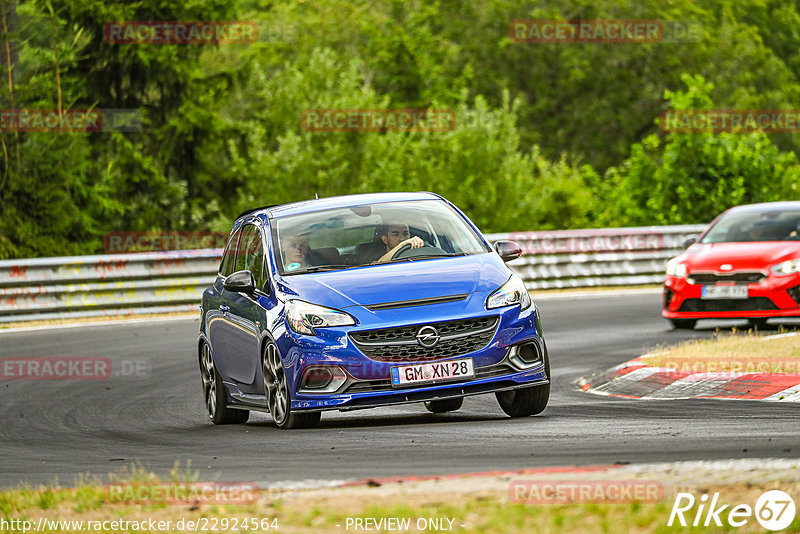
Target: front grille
x,y
726,305
400,344
739,277
794,292
369,386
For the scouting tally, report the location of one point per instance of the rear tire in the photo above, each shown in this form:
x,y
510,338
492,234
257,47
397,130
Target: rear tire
x,y
528,401
444,405
683,324
216,395
276,389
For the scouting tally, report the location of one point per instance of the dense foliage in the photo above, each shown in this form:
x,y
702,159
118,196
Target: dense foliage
x,y
546,135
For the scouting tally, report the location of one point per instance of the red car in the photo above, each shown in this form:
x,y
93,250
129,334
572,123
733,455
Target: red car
x,y
746,265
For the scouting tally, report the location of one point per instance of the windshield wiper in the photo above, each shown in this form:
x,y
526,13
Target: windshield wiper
x,y
425,257
429,256
320,268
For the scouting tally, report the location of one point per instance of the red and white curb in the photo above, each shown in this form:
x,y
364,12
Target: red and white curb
x,y
637,380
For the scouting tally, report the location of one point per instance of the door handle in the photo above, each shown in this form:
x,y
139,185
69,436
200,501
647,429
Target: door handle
x,y
224,308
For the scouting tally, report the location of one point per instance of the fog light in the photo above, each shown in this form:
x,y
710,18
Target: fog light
x,y
667,298
794,292
322,379
526,355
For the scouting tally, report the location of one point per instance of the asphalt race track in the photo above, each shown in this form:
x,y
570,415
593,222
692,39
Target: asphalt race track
x,y
61,430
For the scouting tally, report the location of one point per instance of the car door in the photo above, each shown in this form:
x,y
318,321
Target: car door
x,y
246,315
217,307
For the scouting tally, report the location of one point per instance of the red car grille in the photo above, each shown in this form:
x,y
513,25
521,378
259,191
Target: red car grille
x,y
723,305
739,277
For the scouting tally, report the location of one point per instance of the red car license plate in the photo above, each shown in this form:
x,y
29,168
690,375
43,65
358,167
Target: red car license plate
x,y
724,292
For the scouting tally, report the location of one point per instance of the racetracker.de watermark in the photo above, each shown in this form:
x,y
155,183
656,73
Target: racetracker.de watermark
x,y
125,242
378,120
72,368
582,241
584,491
182,32
600,31
731,365
731,120
182,492
70,120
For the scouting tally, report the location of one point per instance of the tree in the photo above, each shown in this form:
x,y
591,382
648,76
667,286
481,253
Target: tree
x,y
698,175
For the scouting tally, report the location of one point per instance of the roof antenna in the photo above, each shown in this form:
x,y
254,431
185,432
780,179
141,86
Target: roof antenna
x,y
316,196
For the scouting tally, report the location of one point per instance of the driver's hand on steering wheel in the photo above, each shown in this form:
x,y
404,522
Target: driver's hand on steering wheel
x,y
415,242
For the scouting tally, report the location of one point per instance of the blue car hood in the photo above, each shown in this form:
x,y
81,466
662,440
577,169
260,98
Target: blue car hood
x,y
375,284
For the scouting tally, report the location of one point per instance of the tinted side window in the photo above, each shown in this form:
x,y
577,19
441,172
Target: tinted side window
x,y
258,269
226,267
247,245
250,255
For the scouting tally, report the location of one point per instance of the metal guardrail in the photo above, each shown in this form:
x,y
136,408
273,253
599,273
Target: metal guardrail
x,y
162,282
593,258
118,284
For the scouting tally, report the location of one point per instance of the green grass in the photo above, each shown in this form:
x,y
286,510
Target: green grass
x,y
480,510
475,513
732,352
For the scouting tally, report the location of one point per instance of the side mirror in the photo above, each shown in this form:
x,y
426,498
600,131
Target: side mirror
x,y
508,250
689,240
240,282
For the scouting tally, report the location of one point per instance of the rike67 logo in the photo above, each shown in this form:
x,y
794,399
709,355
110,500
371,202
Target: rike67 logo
x,y
774,510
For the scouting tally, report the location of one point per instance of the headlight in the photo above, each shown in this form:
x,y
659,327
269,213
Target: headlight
x,y
303,317
676,269
786,267
511,293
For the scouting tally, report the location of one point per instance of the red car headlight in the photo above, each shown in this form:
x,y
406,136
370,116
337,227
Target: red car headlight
x,y
786,267
676,269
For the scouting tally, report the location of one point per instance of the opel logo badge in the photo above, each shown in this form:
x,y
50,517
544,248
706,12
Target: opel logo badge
x,y
427,336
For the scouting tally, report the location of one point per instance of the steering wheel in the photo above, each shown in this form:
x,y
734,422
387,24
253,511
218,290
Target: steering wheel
x,y
401,250
407,251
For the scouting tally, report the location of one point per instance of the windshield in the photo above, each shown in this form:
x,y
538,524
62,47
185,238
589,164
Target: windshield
x,y
343,238
768,225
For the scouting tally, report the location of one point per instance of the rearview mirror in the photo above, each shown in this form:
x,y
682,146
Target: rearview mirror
x,y
240,282
689,240
508,250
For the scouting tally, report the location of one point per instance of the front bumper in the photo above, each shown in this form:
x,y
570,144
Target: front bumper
x,y
369,380
475,386
774,296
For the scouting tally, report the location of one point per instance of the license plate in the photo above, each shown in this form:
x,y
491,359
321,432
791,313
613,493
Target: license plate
x,y
432,372
724,292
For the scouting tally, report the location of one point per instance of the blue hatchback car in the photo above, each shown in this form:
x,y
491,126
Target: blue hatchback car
x,y
363,301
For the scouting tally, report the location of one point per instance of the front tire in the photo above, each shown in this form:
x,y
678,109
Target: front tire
x,y
683,324
444,405
524,402
215,394
276,389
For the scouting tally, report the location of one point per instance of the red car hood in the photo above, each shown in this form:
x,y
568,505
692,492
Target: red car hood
x,y
740,256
